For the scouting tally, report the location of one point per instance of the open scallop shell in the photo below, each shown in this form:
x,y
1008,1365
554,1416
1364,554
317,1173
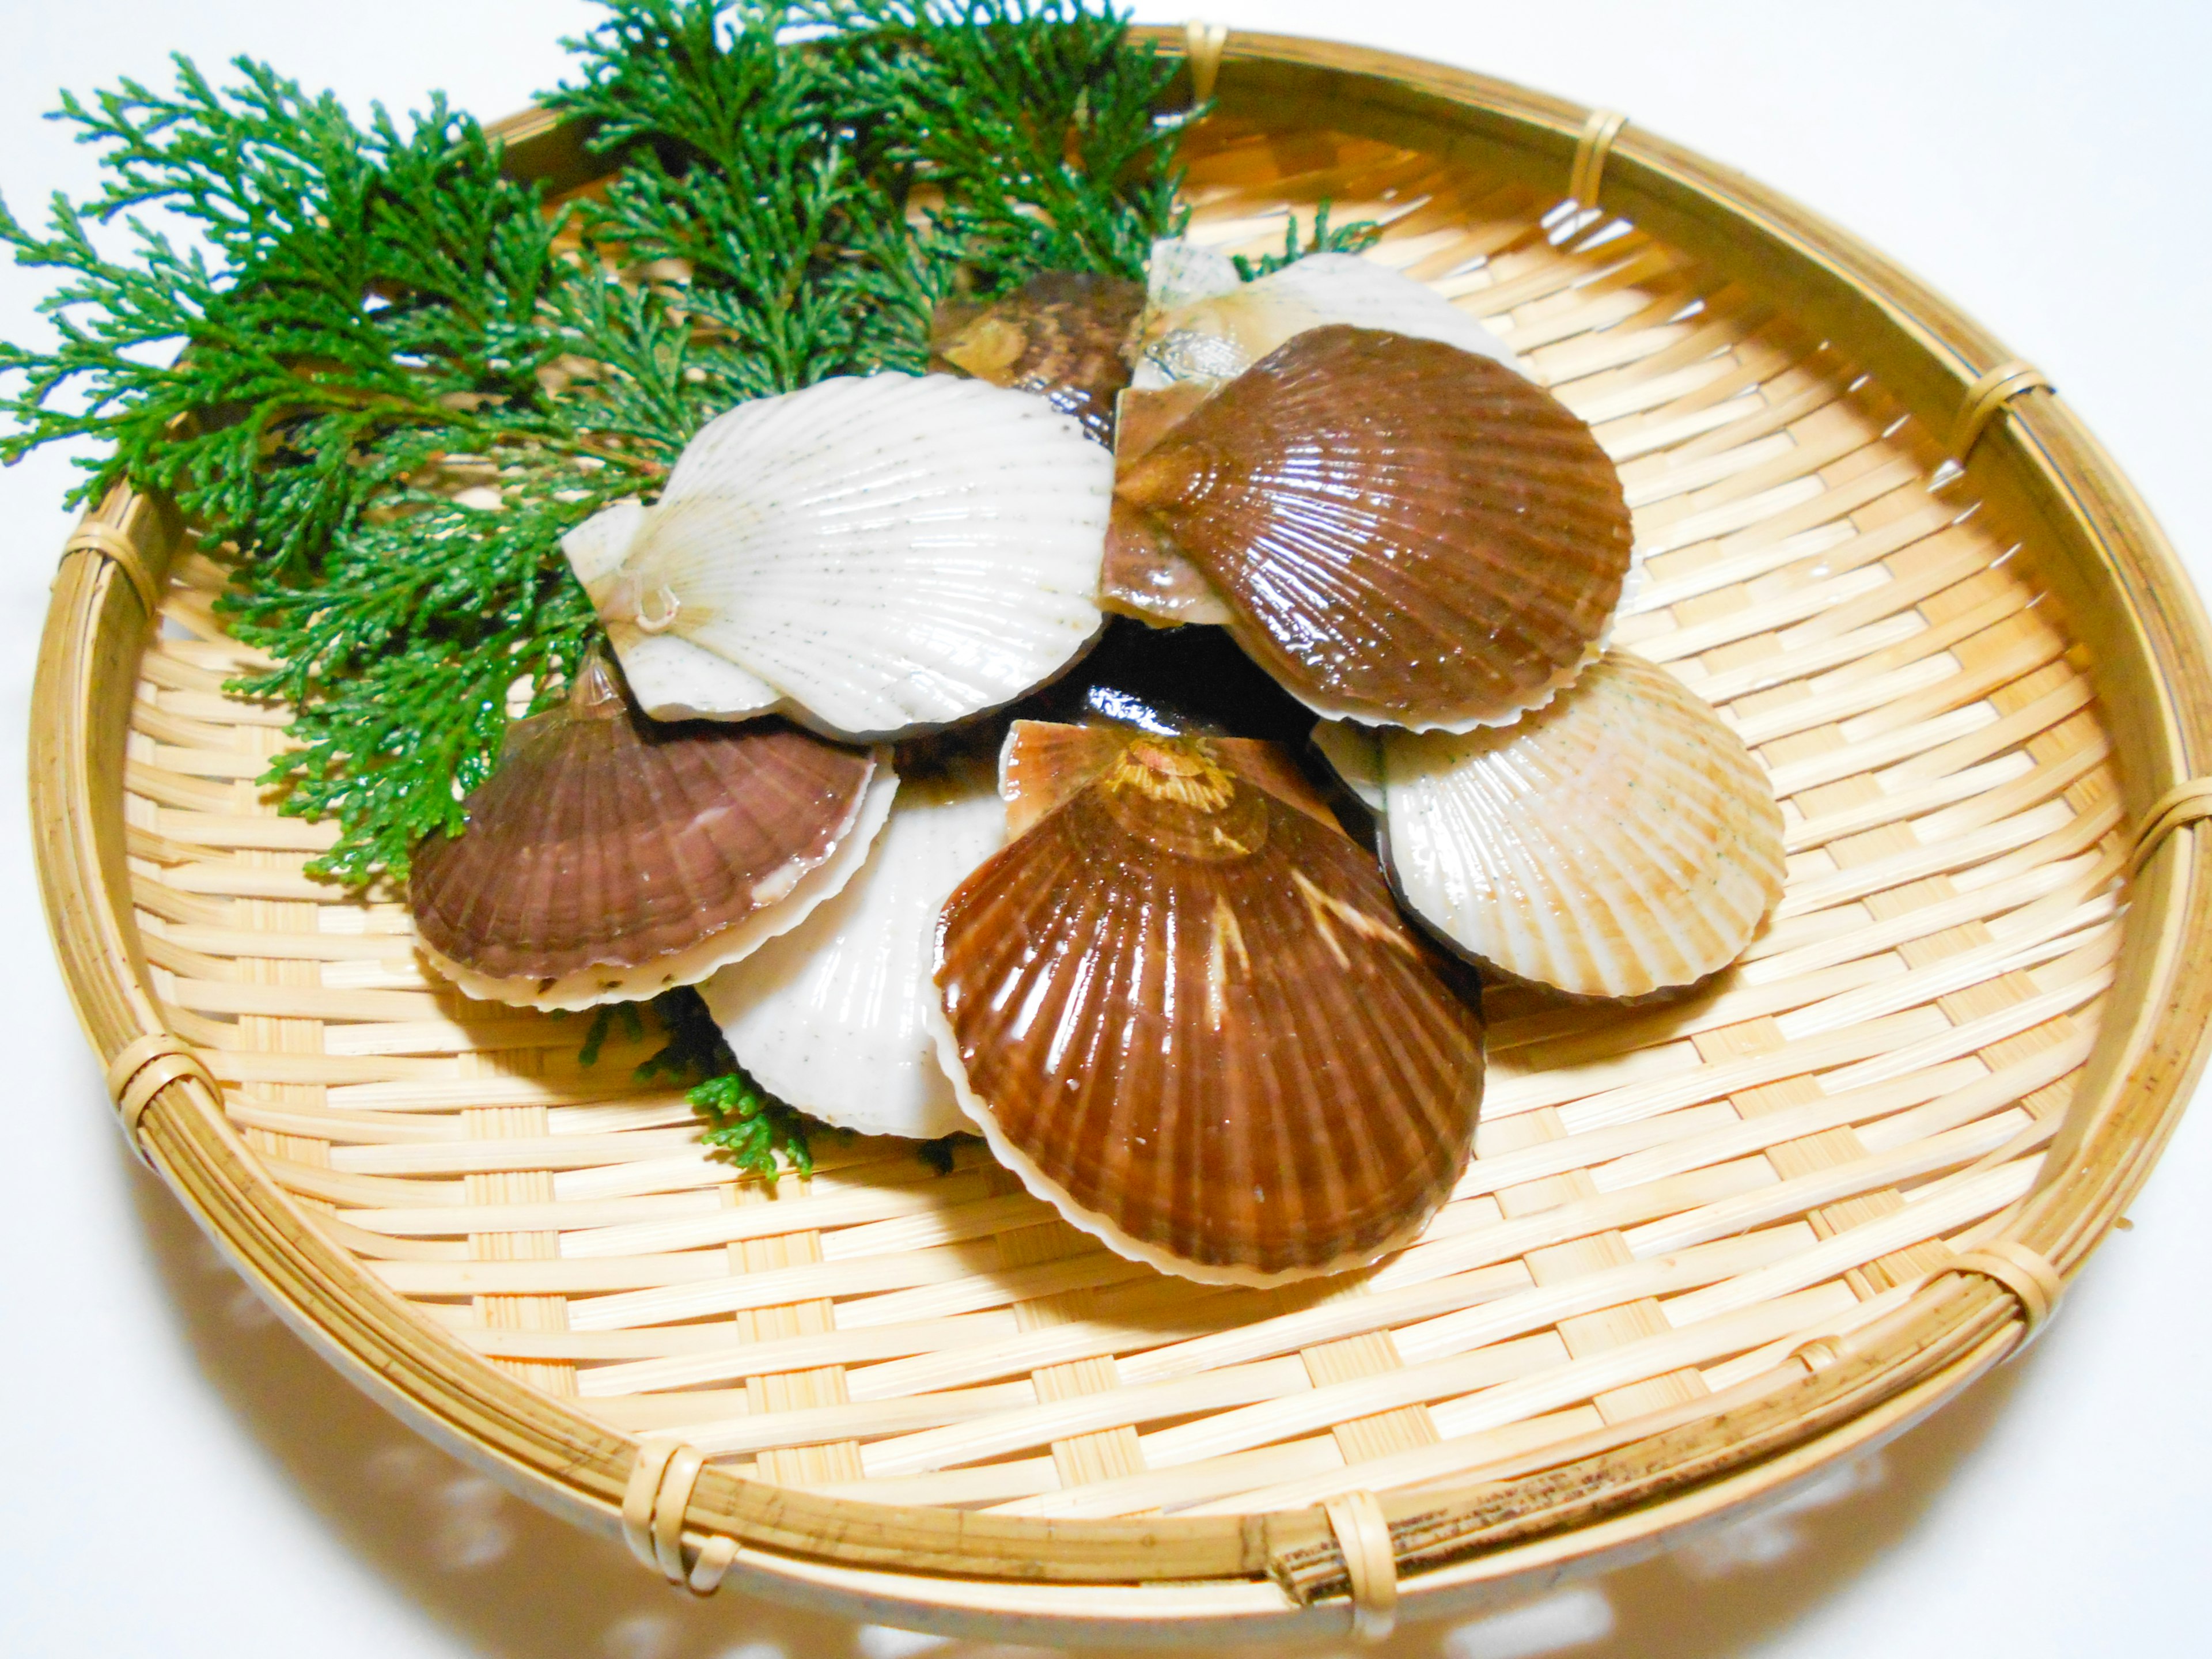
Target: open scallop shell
x,y
1208,331
873,557
831,1017
1060,335
608,859
1620,841
1404,534
1185,1011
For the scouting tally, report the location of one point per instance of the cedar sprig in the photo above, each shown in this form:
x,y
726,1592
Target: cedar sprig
x,y
752,1130
1029,133
1354,238
369,326
739,188
382,381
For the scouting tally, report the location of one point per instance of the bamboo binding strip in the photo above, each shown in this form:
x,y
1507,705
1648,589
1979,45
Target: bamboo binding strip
x,y
661,1483
1203,45
1697,1235
1988,396
1362,1534
142,1069
93,536
2183,804
1587,174
2033,1282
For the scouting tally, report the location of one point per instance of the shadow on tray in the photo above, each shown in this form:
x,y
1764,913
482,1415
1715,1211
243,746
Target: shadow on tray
x,y
511,1581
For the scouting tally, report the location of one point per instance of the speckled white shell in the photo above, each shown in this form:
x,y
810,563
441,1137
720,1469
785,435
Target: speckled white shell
x,y
872,556
1617,842
1195,328
832,1016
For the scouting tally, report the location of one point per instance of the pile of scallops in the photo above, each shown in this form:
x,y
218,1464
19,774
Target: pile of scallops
x,y
1134,740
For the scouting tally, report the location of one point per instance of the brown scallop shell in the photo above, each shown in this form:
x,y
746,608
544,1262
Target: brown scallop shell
x,y
1186,1013
1143,575
1061,335
610,857
1407,534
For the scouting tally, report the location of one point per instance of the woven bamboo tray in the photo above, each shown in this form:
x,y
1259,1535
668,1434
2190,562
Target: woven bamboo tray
x,y
1706,1247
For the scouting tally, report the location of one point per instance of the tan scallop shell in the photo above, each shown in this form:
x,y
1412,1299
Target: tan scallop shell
x,y
1205,331
609,858
1404,534
1186,1013
1621,840
1060,335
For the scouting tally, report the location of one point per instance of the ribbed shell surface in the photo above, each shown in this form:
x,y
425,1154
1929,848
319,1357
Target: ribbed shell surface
x,y
1619,842
873,557
606,846
1060,335
1407,534
1219,335
1202,1031
832,1017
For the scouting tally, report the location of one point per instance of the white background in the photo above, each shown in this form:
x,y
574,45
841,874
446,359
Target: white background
x,y
184,1479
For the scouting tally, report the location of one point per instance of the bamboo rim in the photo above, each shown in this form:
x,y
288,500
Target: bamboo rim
x,y
2020,444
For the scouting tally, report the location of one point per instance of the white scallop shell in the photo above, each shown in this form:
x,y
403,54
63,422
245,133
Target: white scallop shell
x,y
1618,840
872,556
1192,330
1178,272
832,1016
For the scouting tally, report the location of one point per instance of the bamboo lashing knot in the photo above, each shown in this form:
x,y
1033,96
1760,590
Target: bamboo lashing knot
x,y
1816,1354
2177,809
1987,396
1203,43
661,1483
142,1069
2033,1282
1364,1534
94,536
1587,174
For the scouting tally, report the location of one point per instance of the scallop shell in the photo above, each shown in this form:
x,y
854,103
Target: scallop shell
x,y
831,1016
1060,335
1620,841
1406,534
1187,1013
1177,272
608,859
1211,333
873,557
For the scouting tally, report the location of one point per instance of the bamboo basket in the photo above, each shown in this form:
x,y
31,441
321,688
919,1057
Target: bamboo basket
x,y
1707,1248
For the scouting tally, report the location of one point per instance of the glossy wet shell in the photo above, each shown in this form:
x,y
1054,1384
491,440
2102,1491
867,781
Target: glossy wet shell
x,y
832,1017
609,858
1061,335
1187,1014
1406,534
874,557
1621,840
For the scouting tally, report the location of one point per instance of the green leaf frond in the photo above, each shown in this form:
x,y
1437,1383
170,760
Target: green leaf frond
x,y
754,1131
1027,134
382,381
1355,238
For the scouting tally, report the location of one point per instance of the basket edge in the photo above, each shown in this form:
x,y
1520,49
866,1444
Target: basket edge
x,y
2137,1082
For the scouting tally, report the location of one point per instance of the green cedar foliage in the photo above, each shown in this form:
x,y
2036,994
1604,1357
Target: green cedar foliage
x,y
755,1132
382,381
1355,238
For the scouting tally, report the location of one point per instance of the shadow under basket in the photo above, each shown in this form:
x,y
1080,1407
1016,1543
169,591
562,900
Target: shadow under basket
x,y
1707,1248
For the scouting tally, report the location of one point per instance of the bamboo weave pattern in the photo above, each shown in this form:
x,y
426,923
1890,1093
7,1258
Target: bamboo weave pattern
x,y
1667,1201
